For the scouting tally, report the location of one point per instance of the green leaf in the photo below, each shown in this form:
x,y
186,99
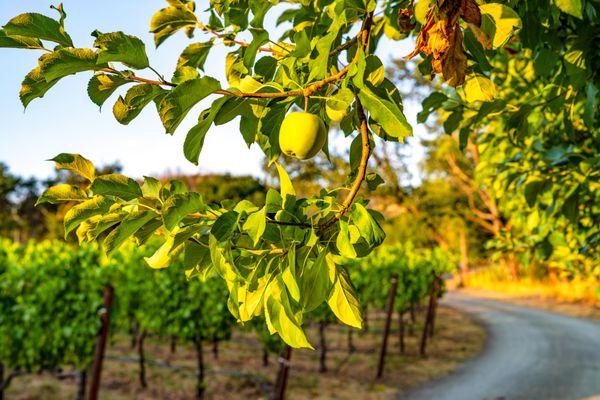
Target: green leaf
x,y
256,224
499,23
544,61
343,242
137,97
169,20
289,275
194,141
38,26
337,105
259,10
319,65
571,7
101,86
151,188
126,229
280,316
575,65
570,207
285,182
374,71
452,122
430,104
314,284
343,301
221,260
386,111
259,37
224,226
62,193
273,201
19,42
75,163
145,232
476,48
478,88
164,255
34,86
175,105
195,55
116,185
374,180
89,229
367,225
68,61
79,213
532,190
179,206
119,47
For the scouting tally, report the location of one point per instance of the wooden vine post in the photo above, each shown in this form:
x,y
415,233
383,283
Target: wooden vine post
x,y
401,330
388,323
282,375
2,381
429,318
200,385
109,293
142,359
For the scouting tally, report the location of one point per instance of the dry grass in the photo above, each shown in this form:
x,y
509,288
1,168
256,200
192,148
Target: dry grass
x,y
577,290
350,376
532,298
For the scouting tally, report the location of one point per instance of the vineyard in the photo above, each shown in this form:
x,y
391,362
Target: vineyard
x,y
408,154
52,302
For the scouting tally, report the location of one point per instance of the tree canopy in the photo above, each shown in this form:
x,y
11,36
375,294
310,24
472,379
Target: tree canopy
x,y
520,81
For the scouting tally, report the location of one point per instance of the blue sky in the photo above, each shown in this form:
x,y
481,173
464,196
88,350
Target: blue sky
x,y
65,120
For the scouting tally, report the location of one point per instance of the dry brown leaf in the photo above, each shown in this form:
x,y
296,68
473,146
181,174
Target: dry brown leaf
x,y
441,37
469,11
454,63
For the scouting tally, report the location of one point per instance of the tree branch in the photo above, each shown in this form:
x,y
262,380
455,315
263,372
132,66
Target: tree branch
x,y
306,92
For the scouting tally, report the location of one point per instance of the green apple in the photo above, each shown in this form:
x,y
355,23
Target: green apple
x,y
302,135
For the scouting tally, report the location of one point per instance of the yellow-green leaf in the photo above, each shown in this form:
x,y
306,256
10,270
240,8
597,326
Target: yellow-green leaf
x,y
62,193
75,163
286,183
280,317
572,7
89,208
343,301
479,88
499,22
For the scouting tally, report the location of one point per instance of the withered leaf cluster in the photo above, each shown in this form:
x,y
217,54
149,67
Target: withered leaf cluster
x,y
441,37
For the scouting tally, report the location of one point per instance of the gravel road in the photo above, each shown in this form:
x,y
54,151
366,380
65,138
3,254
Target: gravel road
x,y
529,354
